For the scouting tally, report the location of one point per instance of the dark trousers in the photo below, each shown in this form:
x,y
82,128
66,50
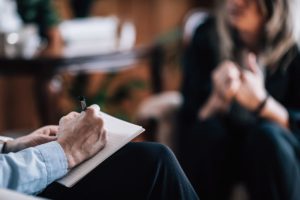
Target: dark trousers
x,y
137,171
264,157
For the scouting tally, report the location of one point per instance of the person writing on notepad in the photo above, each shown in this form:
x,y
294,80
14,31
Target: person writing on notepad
x,y
32,163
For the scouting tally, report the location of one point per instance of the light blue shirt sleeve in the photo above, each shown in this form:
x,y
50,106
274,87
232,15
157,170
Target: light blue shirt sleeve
x,y
33,169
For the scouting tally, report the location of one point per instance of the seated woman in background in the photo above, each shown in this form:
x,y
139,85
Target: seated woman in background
x,y
240,118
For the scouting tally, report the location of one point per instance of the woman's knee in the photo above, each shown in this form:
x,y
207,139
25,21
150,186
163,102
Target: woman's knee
x,y
268,127
270,139
269,132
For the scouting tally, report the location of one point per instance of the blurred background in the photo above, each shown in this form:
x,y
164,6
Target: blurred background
x,y
146,36
127,57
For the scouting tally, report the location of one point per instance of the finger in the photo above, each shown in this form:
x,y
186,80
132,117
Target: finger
x,y
73,115
231,71
252,63
93,110
233,74
69,116
94,107
243,75
235,86
246,76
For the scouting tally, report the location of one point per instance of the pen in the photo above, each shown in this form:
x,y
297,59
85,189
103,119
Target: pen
x,y
82,103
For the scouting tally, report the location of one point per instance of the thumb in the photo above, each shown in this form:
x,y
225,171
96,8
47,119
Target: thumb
x,y
252,63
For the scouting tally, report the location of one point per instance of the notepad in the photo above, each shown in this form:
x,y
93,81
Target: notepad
x,y
119,133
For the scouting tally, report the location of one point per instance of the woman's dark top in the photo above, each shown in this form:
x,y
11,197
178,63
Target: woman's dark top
x,y
202,57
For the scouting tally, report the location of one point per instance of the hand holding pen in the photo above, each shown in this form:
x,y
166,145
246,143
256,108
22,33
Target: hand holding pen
x,y
82,135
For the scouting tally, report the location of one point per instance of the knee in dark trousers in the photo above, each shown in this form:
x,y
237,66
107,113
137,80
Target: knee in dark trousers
x,y
272,163
137,171
169,180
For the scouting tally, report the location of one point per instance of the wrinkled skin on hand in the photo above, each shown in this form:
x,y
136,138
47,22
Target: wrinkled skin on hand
x,y
82,135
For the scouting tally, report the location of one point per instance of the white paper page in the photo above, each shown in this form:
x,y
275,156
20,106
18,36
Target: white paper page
x,y
119,133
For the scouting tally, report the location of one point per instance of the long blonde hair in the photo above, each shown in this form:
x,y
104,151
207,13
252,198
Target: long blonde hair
x,y
279,35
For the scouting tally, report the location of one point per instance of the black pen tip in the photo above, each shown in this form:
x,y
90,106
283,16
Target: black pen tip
x,y
81,98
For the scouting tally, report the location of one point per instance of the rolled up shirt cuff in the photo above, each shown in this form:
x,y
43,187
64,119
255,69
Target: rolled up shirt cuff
x,y
55,160
5,139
